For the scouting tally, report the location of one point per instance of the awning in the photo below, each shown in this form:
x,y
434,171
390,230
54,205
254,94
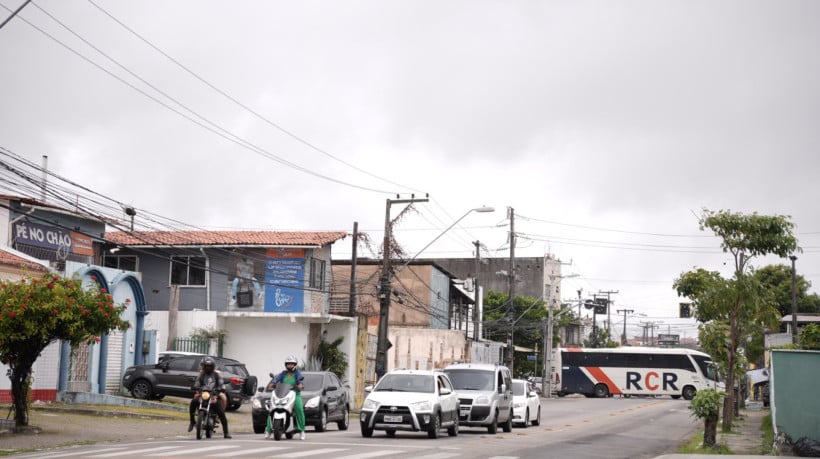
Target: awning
x,y
758,376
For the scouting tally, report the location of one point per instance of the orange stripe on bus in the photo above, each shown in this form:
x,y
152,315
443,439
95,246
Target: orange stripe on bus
x,y
600,376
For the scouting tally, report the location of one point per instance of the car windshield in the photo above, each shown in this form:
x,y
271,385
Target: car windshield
x,y
471,379
519,388
406,383
312,381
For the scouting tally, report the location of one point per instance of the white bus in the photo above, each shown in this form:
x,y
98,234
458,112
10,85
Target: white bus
x,y
632,371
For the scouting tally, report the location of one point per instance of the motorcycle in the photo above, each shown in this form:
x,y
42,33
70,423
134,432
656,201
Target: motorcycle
x,y
280,410
206,418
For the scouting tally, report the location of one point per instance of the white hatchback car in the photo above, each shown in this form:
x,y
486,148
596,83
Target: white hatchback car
x,y
526,404
410,400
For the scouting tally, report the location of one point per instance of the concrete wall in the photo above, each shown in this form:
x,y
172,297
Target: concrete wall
x,y
795,405
425,349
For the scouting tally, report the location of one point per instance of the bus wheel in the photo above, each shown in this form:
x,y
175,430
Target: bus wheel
x,y
601,390
688,393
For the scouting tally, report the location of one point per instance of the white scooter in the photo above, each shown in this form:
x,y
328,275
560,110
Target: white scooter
x,y
280,410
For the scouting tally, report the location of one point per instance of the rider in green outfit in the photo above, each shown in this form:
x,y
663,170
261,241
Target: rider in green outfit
x,y
291,375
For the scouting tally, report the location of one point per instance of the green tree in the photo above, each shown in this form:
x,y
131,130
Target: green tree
x,y
706,406
528,321
36,312
741,302
331,358
778,280
810,337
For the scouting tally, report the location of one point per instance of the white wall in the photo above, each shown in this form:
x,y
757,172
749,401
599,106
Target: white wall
x,y
424,348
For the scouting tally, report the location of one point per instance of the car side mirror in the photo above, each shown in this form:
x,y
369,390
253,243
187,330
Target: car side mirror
x,y
445,391
332,388
502,389
368,389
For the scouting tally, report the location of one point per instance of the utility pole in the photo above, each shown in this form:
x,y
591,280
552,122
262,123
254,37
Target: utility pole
x,y
510,308
476,293
794,301
625,311
386,289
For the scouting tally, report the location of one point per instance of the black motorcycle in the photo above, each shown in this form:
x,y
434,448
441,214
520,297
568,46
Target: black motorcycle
x,y
207,419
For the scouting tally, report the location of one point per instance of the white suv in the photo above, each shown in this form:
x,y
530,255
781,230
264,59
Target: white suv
x,y
411,400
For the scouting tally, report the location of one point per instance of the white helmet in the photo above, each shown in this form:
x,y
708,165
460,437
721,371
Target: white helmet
x,y
291,359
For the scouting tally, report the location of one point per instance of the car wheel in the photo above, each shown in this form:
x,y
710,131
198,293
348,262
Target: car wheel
x,y
435,425
601,390
322,425
367,432
390,432
258,428
507,427
689,393
345,422
526,418
142,389
537,420
453,429
493,427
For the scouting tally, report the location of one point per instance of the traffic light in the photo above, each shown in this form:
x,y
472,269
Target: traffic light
x,y
685,310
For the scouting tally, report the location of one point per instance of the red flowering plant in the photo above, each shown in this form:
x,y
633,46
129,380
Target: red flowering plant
x,y
34,312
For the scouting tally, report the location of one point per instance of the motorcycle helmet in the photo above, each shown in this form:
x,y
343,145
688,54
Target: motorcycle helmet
x,y
208,365
291,359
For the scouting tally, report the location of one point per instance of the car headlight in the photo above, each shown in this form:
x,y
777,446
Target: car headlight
x,y
422,406
370,405
313,402
482,400
519,405
256,404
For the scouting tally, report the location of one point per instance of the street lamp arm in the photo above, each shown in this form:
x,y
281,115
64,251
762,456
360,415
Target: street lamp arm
x,y
477,209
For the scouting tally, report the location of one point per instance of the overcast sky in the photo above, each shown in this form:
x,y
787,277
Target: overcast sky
x,y
608,126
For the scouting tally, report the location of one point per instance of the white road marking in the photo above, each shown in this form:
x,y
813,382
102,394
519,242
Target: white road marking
x,y
371,454
203,449
312,452
251,451
135,452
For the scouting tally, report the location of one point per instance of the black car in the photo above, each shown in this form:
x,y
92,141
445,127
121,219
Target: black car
x,y
325,399
174,375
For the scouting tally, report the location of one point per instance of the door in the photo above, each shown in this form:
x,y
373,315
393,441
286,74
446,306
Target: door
x,y
177,376
505,396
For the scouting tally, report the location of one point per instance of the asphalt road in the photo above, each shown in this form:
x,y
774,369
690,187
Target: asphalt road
x,y
571,427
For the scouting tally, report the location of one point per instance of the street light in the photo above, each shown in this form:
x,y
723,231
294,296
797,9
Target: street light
x,y
477,209
382,343
546,381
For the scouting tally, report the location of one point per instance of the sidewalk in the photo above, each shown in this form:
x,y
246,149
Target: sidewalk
x,y
746,436
745,441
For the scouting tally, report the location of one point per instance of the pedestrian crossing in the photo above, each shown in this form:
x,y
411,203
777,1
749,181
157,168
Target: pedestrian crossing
x,y
187,449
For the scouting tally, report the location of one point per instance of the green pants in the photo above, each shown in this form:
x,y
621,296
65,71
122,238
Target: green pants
x,y
298,415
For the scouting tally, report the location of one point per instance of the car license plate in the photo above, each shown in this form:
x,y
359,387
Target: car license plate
x,y
465,412
389,418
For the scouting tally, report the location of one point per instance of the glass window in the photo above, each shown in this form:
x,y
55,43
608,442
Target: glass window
x,y
186,270
519,388
183,363
406,383
123,262
471,379
317,273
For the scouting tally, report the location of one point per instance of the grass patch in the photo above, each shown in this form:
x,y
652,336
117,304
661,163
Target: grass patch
x,y
766,428
695,446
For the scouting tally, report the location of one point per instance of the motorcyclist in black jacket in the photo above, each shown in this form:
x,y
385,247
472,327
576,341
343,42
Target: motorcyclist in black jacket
x,y
208,377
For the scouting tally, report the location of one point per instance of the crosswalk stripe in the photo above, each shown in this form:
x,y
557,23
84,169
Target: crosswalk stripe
x,y
197,450
371,454
312,452
251,451
136,452
76,453
439,456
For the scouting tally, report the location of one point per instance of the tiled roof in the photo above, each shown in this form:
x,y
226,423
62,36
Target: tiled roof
x,y
8,258
225,238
